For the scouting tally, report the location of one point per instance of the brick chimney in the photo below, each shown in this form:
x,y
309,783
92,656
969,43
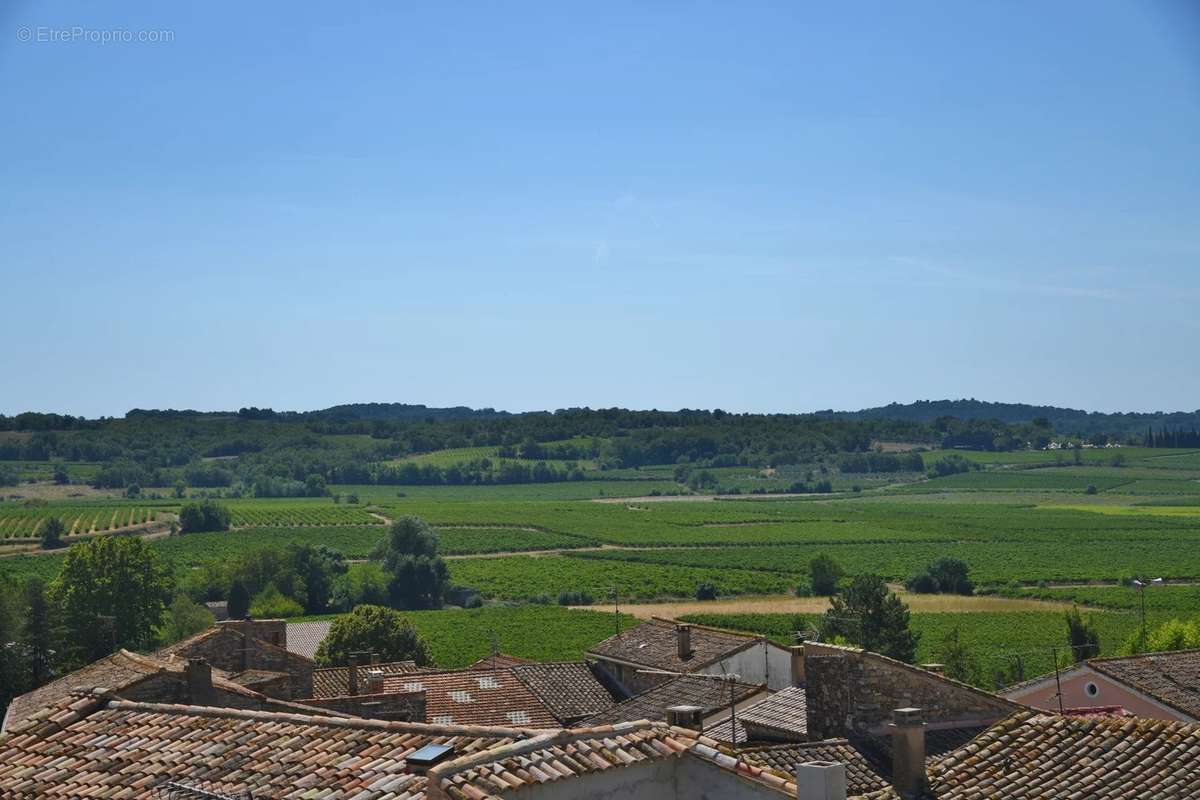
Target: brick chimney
x,y
908,751
375,681
199,683
821,780
798,676
683,638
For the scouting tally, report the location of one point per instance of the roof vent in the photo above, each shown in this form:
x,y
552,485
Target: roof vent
x,y
420,761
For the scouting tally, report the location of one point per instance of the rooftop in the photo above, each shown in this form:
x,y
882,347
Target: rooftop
x,y
569,689
475,697
1033,756
335,681
687,690
1170,678
303,638
862,775
782,716
94,746
654,643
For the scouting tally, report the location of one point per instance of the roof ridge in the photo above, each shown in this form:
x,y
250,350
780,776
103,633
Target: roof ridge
x,y
319,719
714,629
543,740
1155,654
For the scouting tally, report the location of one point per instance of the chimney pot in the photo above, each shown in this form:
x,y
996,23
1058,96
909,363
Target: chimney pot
x,y
798,675
821,780
908,751
375,681
683,637
690,717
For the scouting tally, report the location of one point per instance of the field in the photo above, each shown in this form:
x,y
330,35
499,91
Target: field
x,y
459,637
1025,523
25,523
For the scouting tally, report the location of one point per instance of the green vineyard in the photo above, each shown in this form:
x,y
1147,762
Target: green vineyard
x,y
26,523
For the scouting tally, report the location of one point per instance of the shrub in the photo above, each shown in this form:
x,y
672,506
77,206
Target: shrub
x,y
270,603
52,533
1091,489
706,591
574,598
825,573
945,576
203,516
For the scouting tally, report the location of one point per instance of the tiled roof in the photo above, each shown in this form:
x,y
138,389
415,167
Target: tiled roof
x,y
654,644
335,681
782,716
686,690
567,755
93,747
475,697
113,672
1170,678
254,677
569,689
499,661
861,775
1034,756
724,731
303,638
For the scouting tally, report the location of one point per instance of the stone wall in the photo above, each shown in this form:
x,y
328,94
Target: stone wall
x,y
172,687
232,651
851,692
395,706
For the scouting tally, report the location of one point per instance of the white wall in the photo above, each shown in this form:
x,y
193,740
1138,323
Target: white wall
x,y
763,663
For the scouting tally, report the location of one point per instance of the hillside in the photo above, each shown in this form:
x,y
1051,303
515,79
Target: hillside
x,y
1064,421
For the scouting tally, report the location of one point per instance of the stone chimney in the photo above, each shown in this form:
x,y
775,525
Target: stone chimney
x,y
821,780
683,638
798,677
199,683
908,751
352,675
375,681
690,717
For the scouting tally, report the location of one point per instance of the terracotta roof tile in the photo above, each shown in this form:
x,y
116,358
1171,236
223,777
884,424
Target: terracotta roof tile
x,y
1170,678
335,681
475,697
566,755
861,774
569,689
1034,756
99,748
686,690
654,643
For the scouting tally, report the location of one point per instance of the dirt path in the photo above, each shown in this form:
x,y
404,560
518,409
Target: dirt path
x,y
786,604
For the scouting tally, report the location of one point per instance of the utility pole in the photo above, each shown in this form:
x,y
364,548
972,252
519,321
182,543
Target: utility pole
x,y
616,611
1057,682
1141,585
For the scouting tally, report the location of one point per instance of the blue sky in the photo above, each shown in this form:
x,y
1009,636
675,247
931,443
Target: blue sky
x,y
759,207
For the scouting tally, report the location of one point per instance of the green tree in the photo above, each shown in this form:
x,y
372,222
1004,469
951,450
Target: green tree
x,y
271,603
40,632
1082,637
870,615
946,575
184,617
314,486
112,592
418,576
52,533
203,516
239,600
706,591
958,661
14,669
315,569
372,629
180,490
825,574
133,490
60,475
